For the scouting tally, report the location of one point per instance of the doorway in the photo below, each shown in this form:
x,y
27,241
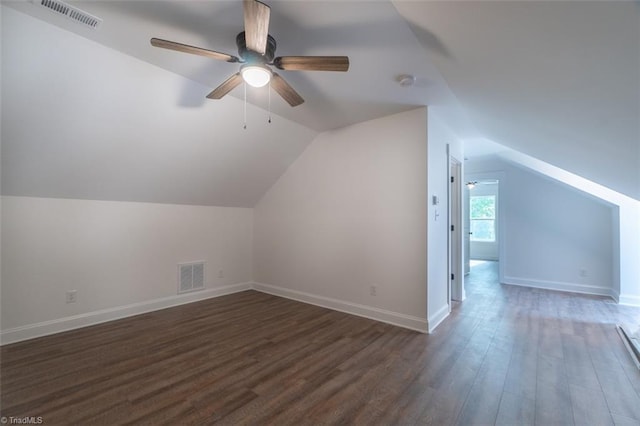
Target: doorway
x,y
483,220
484,224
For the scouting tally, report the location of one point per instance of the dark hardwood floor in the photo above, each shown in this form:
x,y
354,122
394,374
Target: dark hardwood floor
x,y
508,355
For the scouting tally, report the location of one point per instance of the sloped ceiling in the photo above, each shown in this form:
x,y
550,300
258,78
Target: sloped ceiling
x,y
375,37
556,80
82,121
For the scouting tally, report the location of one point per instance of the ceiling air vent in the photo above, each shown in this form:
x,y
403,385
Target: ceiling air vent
x,y
190,277
70,12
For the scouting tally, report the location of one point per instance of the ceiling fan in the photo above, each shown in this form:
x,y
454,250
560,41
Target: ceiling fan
x,y
256,51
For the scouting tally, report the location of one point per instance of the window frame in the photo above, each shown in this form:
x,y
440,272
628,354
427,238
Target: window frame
x,y
493,219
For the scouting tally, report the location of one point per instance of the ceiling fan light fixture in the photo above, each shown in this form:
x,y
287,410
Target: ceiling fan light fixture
x,y
255,75
256,50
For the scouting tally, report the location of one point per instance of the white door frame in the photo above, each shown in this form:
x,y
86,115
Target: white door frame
x,y
455,226
466,227
500,176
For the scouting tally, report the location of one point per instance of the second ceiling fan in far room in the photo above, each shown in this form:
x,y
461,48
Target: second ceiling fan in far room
x,y
256,53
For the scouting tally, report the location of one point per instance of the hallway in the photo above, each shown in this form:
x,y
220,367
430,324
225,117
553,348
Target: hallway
x,y
554,358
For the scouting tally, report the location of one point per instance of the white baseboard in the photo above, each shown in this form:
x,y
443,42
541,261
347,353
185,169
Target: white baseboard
x,y
615,295
382,315
629,300
46,328
562,286
438,317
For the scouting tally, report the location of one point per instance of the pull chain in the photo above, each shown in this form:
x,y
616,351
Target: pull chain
x,y
269,100
245,106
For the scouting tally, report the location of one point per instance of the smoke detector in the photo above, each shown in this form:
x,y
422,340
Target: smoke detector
x,y
406,80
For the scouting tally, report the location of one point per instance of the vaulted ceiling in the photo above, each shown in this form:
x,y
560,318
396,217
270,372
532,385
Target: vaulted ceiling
x,y
376,38
558,80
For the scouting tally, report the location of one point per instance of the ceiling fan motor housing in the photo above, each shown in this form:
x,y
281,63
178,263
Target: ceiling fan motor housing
x,y
252,57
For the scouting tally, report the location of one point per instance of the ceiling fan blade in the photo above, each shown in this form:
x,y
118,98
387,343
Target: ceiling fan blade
x,y
256,25
312,63
172,45
228,85
288,94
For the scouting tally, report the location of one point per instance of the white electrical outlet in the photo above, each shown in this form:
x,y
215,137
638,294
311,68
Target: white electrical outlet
x,y
72,296
220,273
583,273
373,290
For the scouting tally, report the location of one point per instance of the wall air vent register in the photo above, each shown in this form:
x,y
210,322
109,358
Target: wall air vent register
x,y
70,12
190,277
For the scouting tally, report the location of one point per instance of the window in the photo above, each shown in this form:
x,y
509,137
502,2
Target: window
x,y
483,218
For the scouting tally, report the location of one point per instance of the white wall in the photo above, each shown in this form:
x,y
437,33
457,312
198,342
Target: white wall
x,y
440,136
551,232
626,223
350,214
121,257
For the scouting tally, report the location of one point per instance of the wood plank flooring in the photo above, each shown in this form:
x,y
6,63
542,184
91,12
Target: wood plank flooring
x,y
508,355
